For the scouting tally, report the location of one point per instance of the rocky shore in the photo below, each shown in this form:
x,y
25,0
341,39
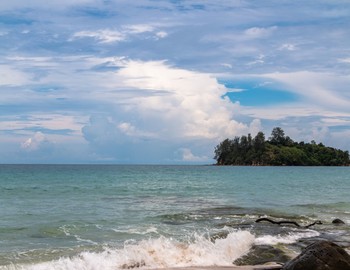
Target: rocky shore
x,y
320,255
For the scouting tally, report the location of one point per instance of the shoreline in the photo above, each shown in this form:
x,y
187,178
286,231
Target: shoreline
x,y
233,267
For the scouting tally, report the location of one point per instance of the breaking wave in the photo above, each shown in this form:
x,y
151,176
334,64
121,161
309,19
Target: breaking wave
x,y
165,252
156,253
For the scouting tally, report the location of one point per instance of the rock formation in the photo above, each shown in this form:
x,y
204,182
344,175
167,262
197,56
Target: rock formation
x,y
321,255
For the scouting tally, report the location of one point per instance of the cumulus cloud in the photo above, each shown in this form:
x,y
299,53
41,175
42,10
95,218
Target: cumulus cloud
x,y
151,99
174,106
192,107
38,142
101,131
132,131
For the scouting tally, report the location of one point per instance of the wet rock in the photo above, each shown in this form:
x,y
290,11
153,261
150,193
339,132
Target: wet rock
x,y
321,255
219,235
262,254
338,221
133,265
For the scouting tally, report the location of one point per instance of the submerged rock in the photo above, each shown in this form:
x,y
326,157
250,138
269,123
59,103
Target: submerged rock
x,y
321,255
262,254
338,221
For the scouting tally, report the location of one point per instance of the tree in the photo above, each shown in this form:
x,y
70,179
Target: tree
x,y
279,150
277,136
223,151
259,146
259,141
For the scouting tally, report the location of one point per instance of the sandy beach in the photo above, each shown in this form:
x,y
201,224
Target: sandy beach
x,y
245,267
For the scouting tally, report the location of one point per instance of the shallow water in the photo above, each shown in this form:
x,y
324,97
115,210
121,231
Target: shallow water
x,y
116,216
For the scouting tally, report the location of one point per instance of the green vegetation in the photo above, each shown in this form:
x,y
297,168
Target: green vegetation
x,y
279,150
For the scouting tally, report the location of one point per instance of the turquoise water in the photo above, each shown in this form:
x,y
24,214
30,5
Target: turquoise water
x,y
116,216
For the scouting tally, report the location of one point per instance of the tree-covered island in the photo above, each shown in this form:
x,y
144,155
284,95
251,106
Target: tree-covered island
x,y
278,150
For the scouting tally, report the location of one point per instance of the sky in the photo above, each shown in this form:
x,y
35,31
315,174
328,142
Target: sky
x,y
165,81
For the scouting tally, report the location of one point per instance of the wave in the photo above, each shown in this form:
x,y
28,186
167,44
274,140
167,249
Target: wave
x,y
155,253
140,231
166,252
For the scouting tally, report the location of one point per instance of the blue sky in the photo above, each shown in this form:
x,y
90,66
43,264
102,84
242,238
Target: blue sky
x,y
164,81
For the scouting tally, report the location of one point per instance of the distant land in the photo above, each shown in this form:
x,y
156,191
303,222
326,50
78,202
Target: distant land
x,y
278,150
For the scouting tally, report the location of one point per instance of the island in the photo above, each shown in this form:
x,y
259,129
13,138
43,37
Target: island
x,y
278,150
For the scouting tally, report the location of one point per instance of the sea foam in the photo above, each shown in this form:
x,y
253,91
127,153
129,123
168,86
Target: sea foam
x,y
156,253
289,238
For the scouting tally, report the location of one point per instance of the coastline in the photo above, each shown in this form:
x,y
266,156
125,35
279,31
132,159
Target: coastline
x,y
233,267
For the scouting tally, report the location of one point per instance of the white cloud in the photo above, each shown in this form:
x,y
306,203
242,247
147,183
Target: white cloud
x,y
288,47
32,61
42,4
226,65
103,36
255,126
340,139
295,110
341,121
50,121
37,142
191,105
344,60
322,89
138,28
110,36
12,76
132,131
173,107
319,134
101,132
188,156
259,60
259,32
161,34
235,90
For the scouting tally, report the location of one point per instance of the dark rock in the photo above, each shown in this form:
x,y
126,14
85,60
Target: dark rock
x,y
262,254
321,255
133,265
219,235
338,221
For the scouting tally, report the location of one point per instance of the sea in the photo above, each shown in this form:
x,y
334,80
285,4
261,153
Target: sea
x,y
155,216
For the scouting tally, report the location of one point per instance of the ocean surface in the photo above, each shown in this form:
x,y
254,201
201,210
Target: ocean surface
x,y
137,217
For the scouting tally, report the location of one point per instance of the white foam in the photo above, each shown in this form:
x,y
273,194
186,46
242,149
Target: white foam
x,y
289,238
141,231
156,253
